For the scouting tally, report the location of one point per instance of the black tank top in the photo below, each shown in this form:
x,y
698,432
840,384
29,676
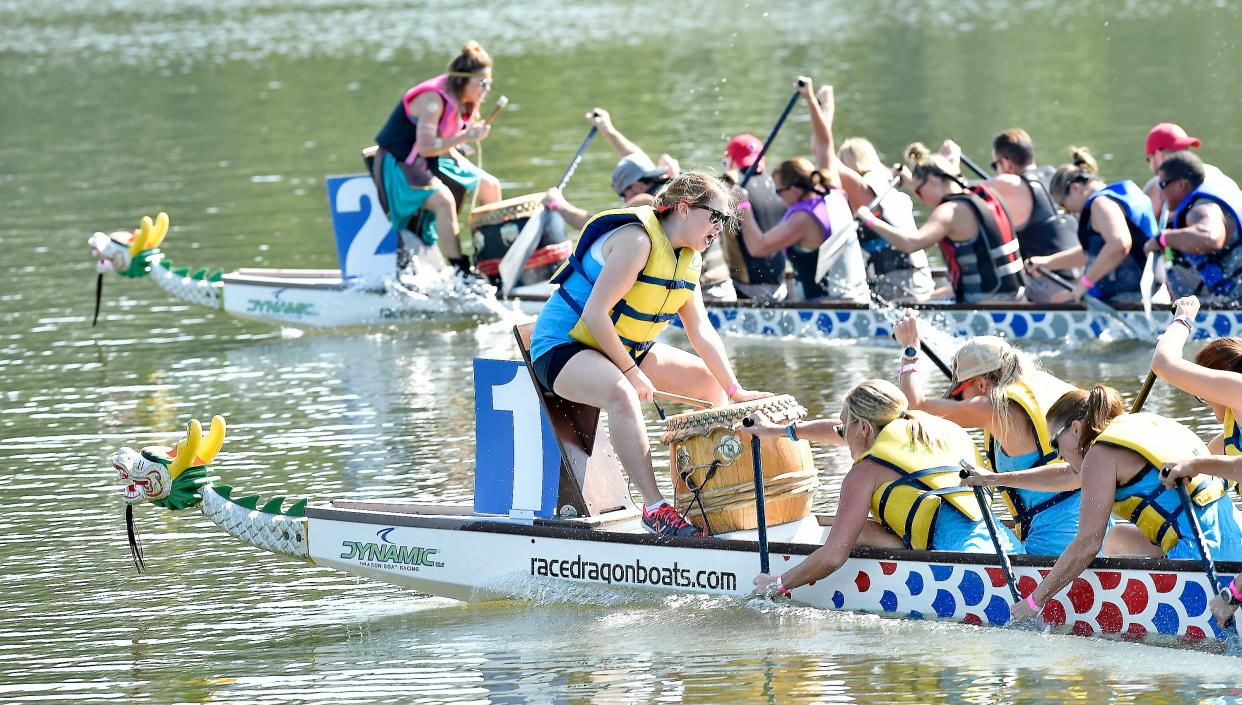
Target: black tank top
x,y
768,208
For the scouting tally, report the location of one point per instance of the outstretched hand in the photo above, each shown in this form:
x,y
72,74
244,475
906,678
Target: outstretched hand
x,y
763,427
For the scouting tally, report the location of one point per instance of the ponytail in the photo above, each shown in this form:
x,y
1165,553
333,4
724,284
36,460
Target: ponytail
x,y
801,173
1095,409
1083,170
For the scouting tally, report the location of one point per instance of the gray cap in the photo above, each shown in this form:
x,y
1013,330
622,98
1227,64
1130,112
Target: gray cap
x,y
631,168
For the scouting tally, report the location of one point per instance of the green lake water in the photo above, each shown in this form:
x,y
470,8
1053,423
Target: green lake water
x,y
229,114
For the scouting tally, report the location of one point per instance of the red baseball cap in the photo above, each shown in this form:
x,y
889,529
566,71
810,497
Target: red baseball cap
x,y
1169,137
743,149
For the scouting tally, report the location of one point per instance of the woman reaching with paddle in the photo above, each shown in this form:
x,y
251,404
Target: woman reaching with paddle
x,y
634,270
1116,459
418,151
1114,222
904,474
970,224
997,388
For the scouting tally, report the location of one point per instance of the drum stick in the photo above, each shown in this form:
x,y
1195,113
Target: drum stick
x,y
501,103
692,401
756,459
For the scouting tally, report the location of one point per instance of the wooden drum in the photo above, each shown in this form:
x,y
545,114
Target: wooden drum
x,y
710,449
495,226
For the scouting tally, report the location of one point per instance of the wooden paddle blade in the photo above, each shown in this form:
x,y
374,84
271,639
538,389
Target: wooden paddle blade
x,y
519,252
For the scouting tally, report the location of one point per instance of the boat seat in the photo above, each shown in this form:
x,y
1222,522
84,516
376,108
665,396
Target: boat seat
x,y
591,480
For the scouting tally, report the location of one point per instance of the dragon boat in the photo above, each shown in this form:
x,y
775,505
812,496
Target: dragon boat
x,y
551,519
367,291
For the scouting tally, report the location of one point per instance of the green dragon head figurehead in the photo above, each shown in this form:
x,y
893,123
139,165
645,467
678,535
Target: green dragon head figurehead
x,y
126,253
170,477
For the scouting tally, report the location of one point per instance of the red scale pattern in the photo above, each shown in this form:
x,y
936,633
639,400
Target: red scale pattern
x,y
1135,596
1109,618
1081,596
862,581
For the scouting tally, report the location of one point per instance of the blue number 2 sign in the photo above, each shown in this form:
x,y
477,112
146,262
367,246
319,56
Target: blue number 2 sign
x,y
517,466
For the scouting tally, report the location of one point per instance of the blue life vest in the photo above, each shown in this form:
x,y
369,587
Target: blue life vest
x,y
1141,221
1218,270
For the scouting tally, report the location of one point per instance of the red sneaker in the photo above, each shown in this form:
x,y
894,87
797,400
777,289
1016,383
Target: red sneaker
x,y
666,521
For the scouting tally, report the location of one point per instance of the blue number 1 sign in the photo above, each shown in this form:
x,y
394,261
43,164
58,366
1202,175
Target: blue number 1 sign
x,y
517,466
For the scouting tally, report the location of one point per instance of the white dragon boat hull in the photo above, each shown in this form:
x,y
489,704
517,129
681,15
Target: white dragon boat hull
x,y
450,552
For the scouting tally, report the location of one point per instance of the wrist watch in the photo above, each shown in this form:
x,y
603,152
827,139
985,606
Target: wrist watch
x,y
910,352
1226,596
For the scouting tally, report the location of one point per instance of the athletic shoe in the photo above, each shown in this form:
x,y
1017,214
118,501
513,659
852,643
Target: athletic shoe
x,y
666,521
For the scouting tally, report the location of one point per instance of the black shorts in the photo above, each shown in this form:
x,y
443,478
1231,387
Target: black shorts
x,y
549,365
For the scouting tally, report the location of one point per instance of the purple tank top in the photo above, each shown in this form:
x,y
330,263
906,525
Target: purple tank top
x,y
817,208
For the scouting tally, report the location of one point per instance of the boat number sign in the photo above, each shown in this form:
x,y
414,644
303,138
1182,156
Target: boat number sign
x,y
518,465
365,243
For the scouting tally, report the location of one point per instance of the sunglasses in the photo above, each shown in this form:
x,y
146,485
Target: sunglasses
x,y
1165,182
1056,437
919,188
994,164
485,83
716,217
839,429
961,387
783,189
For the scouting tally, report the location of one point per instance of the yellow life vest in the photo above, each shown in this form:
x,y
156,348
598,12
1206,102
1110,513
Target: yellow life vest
x,y
1232,435
908,507
1036,396
664,285
1145,502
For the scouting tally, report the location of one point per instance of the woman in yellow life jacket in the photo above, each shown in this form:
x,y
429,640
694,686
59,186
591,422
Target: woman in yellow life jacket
x,y
633,271
905,474
1116,459
999,389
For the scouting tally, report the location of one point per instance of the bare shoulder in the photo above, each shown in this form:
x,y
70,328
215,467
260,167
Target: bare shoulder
x,y
632,240
427,104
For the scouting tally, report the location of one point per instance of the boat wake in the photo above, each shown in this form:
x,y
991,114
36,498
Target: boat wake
x,y
446,291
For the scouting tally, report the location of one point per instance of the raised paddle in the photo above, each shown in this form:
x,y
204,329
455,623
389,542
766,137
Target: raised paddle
x,y
966,471
501,104
1233,645
1145,282
523,246
1141,399
834,246
1094,303
750,170
756,460
974,167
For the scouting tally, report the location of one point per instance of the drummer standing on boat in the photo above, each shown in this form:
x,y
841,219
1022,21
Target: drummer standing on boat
x,y
634,270
636,179
418,152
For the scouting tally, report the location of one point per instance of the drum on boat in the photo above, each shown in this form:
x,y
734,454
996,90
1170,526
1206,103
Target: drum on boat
x,y
495,226
710,453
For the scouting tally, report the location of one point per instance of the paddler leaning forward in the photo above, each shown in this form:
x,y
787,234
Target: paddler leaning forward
x,y
634,270
1116,459
905,463
999,389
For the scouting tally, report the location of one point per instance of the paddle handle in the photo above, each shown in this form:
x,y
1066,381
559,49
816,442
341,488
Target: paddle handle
x,y
750,170
936,359
974,167
1205,556
1141,399
756,461
1055,278
573,164
692,401
500,105
990,522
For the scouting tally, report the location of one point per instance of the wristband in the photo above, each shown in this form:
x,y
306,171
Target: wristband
x,y
1030,602
907,369
1086,282
1184,320
743,205
626,371
552,205
731,390
1233,590
1163,239
792,431
780,587
870,220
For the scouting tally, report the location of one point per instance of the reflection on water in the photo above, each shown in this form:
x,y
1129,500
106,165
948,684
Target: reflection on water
x,y
228,115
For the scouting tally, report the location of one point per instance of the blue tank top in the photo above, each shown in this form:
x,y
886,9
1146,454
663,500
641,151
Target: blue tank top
x,y
1053,528
1218,520
557,318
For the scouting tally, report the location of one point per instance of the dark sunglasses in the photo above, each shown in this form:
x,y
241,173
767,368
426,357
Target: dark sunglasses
x,y
783,189
485,83
839,429
994,165
919,188
716,217
1057,436
1165,182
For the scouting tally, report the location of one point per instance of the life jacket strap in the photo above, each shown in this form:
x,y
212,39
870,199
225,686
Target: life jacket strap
x,y
624,309
666,283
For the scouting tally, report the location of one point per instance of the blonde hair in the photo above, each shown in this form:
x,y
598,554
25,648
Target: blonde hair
x,y
1095,409
472,60
800,172
879,402
1082,170
860,155
693,188
1015,367
924,163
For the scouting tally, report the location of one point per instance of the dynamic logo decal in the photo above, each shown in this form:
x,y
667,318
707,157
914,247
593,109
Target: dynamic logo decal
x,y
288,309
389,555
633,573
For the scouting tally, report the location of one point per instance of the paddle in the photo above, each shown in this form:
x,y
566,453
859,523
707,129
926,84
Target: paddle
x,y
974,167
832,248
523,246
1141,399
966,471
750,170
1145,281
1093,303
98,298
756,460
1233,645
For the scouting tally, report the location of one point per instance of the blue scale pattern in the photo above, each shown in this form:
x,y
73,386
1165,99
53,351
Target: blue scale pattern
x,y
1194,598
941,573
914,583
945,604
1166,620
971,588
997,610
888,601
